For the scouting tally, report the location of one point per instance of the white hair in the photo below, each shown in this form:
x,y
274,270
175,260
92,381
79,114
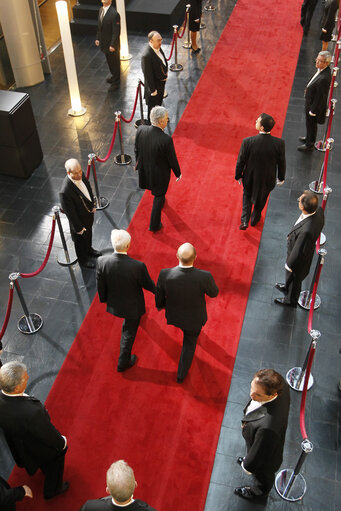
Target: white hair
x,y
157,113
71,164
120,239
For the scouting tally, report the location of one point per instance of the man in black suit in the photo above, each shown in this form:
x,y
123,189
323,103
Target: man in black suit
x,y
181,292
120,284
78,204
316,96
155,69
264,426
120,486
301,245
108,39
9,496
307,11
155,158
31,437
261,159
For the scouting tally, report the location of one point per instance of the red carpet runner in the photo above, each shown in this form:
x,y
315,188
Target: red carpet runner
x,y
168,432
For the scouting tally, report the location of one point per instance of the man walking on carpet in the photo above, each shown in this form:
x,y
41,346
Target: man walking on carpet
x,y
120,284
260,161
181,292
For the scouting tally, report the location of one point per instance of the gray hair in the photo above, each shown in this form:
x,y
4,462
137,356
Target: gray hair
x,y
11,375
71,164
121,481
327,56
157,113
151,34
120,239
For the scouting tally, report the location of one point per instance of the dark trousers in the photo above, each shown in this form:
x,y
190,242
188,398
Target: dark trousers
x,y
114,64
311,125
156,100
129,331
293,287
155,217
189,344
53,472
247,206
307,11
262,483
83,243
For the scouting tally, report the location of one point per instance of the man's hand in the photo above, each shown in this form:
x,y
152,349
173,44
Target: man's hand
x,y
111,49
178,178
154,93
82,231
324,30
311,113
279,183
93,210
97,42
240,181
28,491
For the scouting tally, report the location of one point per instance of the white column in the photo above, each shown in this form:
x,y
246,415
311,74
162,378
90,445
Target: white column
x,y
121,9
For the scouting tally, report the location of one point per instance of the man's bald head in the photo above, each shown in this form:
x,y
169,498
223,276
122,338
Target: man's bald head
x,y
186,254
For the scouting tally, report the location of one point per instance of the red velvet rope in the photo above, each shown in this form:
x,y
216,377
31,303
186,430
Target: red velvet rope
x,y
88,171
134,107
172,48
94,170
111,146
27,275
8,312
304,393
183,30
313,297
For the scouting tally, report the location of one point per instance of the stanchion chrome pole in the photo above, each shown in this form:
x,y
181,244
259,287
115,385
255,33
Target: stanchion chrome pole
x,y
30,323
289,483
209,7
187,44
176,67
295,376
327,192
320,145
101,202
141,121
121,159
305,296
317,186
66,260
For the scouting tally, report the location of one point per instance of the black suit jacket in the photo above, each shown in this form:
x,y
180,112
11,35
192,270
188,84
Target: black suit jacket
x,y
105,504
181,291
31,437
9,496
155,157
316,95
120,284
301,243
154,70
76,206
261,159
264,434
108,31
328,18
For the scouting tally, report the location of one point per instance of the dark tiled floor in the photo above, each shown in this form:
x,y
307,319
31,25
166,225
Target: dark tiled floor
x,y
270,336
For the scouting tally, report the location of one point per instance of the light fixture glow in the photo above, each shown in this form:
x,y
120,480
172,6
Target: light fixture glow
x,y
124,52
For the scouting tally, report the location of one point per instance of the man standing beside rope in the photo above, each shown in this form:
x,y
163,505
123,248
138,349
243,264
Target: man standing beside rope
x,y
108,39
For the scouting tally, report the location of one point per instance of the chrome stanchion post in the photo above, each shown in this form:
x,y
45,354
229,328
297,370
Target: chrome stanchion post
x,y
289,483
176,67
209,7
101,202
327,191
295,376
66,261
317,186
335,71
30,323
187,44
121,159
142,120
305,296
320,145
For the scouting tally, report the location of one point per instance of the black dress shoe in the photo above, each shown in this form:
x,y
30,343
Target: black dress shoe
x,y
283,301
179,380
240,460
64,488
94,253
281,287
114,86
109,79
196,51
302,139
305,148
245,492
243,226
133,360
254,221
88,264
157,229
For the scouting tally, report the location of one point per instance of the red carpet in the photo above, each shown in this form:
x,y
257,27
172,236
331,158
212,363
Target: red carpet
x,y
167,432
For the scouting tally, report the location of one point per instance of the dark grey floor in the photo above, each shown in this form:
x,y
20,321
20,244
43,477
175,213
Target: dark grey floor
x,y
270,337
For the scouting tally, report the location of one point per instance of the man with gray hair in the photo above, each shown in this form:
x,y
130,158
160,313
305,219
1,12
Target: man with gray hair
x,y
155,158
316,96
78,204
120,284
181,292
31,437
120,486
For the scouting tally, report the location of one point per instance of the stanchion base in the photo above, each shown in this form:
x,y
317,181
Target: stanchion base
x,y
31,325
102,203
65,259
209,8
305,303
77,113
293,376
122,159
126,57
202,26
320,146
176,67
298,488
187,46
323,239
335,84
314,187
